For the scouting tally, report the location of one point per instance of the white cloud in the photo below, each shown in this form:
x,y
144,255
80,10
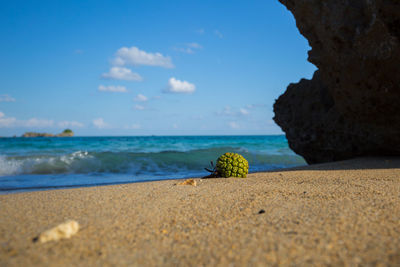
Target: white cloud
x,y
200,31
100,123
234,125
218,33
186,50
6,122
39,123
113,88
198,117
135,56
189,48
138,107
70,124
180,87
253,106
121,73
228,111
6,98
140,98
134,126
244,111
195,45
31,123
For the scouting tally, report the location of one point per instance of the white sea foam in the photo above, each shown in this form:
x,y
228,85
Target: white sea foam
x,y
43,164
70,158
9,167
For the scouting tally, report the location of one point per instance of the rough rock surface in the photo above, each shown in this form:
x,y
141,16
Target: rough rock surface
x,y
65,133
34,134
351,106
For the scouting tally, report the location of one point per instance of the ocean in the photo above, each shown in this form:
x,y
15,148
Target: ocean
x,y
29,164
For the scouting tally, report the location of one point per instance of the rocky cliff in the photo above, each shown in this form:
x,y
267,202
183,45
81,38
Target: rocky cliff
x,y
351,106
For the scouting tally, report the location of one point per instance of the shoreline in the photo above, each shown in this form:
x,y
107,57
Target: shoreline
x,y
39,189
353,163
342,213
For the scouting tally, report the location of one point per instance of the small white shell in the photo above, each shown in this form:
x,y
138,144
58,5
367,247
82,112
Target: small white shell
x,y
188,182
64,230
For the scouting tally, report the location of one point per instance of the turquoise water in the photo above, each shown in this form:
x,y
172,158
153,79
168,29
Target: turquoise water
x,y
44,163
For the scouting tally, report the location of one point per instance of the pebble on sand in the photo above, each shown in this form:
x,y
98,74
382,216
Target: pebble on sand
x,y
188,182
64,230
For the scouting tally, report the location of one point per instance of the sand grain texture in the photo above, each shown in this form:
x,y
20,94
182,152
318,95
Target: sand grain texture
x,y
345,213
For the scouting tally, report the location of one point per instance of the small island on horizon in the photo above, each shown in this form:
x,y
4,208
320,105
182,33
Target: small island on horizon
x,y
65,133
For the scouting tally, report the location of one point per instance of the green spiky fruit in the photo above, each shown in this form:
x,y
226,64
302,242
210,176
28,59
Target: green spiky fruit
x,y
232,165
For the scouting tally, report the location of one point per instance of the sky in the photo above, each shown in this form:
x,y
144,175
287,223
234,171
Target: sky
x,y
146,67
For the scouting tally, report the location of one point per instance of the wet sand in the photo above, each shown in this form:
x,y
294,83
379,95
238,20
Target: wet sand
x,y
344,214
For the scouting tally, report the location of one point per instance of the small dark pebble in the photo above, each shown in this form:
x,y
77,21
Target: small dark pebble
x,y
261,212
291,233
35,239
304,192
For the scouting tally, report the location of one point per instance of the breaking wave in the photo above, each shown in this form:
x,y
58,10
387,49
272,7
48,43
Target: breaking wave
x,y
43,163
84,162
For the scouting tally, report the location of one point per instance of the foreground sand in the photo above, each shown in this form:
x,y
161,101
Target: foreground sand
x,y
345,213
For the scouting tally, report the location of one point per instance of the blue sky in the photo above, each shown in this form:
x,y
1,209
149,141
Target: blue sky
x,y
146,67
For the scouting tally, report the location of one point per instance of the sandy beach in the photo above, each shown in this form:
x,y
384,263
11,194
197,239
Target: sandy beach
x,y
343,214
